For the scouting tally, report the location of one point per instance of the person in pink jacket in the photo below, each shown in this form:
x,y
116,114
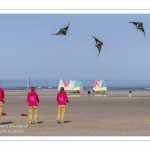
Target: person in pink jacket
x,y
33,100
1,101
62,99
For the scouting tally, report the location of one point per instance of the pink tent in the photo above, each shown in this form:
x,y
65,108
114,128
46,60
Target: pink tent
x,y
66,85
96,86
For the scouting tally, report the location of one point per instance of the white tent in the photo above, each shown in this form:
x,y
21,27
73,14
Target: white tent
x,y
100,83
61,84
71,85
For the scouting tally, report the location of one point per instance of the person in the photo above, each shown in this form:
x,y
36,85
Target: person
x,y
33,100
61,102
130,93
1,101
89,93
93,92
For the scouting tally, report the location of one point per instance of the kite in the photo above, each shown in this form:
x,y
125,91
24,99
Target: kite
x,y
139,25
63,31
98,45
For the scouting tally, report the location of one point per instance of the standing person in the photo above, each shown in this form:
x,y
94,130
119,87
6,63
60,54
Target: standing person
x,y
61,101
130,93
89,92
93,92
1,101
33,100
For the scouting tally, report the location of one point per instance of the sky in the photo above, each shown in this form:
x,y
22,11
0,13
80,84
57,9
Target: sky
x,y
28,48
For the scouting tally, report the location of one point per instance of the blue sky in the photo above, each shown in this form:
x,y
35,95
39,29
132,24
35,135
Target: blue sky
x,y
28,48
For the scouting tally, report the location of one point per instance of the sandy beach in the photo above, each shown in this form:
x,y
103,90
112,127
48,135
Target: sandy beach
x,y
114,114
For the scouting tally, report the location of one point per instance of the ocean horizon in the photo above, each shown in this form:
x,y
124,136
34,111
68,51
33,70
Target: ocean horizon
x,y
87,84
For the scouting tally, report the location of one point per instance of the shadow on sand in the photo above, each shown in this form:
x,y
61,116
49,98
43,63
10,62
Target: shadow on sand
x,y
7,122
67,121
39,122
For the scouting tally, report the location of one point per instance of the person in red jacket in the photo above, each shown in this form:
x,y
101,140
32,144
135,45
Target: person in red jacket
x,y
1,101
33,100
61,101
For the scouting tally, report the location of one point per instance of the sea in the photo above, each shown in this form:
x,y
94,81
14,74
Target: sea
x,y
87,84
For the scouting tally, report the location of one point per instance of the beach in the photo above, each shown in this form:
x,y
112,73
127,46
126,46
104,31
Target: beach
x,y
113,114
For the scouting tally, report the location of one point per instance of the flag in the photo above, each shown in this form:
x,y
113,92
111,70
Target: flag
x,y
28,84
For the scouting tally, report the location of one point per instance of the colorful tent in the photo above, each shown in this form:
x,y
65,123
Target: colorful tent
x,y
61,84
71,85
100,83
76,86
80,84
66,85
96,86
103,86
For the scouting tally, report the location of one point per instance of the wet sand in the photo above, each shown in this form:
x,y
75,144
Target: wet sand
x,y
114,114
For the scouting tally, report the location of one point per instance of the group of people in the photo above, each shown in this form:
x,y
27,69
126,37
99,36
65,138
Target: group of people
x,y
33,100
